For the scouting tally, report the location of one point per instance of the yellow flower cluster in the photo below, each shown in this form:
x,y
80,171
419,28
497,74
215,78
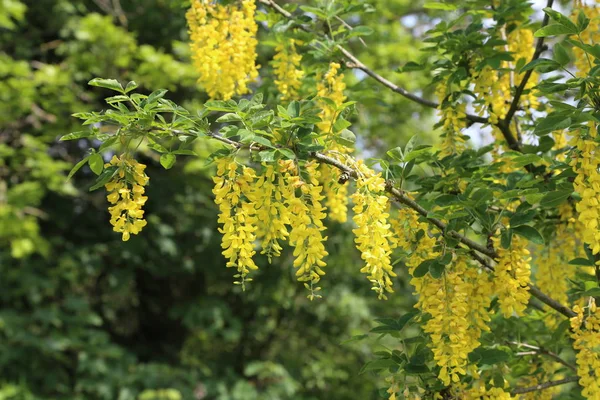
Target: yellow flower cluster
x,y
126,192
372,232
306,220
233,193
512,277
552,276
453,117
223,46
261,208
286,63
331,87
521,44
587,183
336,194
590,36
458,301
271,211
586,334
492,88
481,393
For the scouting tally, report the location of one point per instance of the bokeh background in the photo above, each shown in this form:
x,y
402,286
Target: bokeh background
x,y
84,315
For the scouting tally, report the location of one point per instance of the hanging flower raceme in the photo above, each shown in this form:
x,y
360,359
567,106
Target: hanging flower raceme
x,y
453,117
458,303
331,87
586,333
372,232
586,162
336,193
521,44
512,277
306,215
271,212
126,192
286,63
223,45
234,193
552,276
590,36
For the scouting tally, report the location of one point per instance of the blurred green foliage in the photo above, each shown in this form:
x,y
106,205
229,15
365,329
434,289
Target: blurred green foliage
x,y
86,316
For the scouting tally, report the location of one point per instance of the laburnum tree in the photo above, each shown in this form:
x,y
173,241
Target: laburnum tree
x,y
496,227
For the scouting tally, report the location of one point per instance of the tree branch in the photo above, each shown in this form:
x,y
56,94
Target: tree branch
x,y
354,62
401,197
544,385
539,48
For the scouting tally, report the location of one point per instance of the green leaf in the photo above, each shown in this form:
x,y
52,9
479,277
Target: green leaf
x,y
157,94
346,137
436,269
584,262
96,163
167,160
111,84
563,20
413,369
553,199
492,356
422,269
229,117
561,55
553,30
104,177
287,153
376,365
267,155
551,123
77,167
78,135
360,31
529,233
403,320
506,238
546,64
526,159
130,86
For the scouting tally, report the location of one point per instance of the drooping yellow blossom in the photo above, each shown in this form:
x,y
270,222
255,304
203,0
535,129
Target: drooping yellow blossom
x,y
306,215
126,192
458,301
286,63
586,335
585,162
512,277
331,87
481,393
336,193
234,194
453,117
521,44
223,46
492,87
590,36
372,232
271,212
553,273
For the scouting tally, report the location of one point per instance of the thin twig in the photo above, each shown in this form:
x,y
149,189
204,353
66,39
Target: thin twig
x,y
544,385
542,351
354,62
